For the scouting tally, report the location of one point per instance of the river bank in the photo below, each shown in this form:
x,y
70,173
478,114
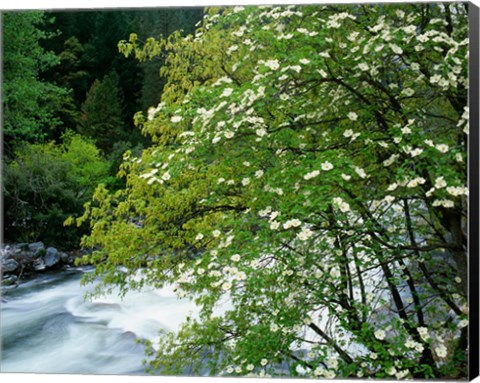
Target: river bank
x,y
23,261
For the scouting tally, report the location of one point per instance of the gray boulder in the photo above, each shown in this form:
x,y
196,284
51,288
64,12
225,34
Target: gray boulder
x,y
9,280
63,257
36,248
38,264
9,265
51,257
8,251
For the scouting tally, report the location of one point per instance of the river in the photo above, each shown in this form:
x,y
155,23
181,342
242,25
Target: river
x,y
48,327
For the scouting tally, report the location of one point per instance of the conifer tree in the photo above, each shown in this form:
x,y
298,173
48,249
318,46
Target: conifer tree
x,y
101,113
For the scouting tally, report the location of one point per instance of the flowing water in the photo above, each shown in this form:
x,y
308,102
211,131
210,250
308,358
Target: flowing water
x,y
48,327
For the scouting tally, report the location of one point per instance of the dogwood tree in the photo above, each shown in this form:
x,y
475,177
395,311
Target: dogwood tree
x,y
306,188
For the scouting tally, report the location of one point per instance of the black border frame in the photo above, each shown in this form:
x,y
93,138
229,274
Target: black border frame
x,y
473,209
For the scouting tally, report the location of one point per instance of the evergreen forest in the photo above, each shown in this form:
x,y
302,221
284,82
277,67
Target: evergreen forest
x,y
69,98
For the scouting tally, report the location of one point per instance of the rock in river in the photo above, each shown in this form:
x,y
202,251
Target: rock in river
x,y
9,265
51,257
36,248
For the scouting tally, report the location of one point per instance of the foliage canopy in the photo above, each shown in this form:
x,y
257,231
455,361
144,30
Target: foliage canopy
x,y
307,187
45,184
31,106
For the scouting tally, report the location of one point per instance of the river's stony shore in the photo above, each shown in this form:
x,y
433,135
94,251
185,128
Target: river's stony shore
x,y
24,260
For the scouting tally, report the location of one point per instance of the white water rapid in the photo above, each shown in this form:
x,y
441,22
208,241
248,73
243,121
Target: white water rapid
x,y
48,327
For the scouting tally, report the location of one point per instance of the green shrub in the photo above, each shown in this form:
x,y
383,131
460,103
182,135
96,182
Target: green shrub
x,y
45,184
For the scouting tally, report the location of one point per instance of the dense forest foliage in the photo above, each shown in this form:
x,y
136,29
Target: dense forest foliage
x,y
302,178
69,98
